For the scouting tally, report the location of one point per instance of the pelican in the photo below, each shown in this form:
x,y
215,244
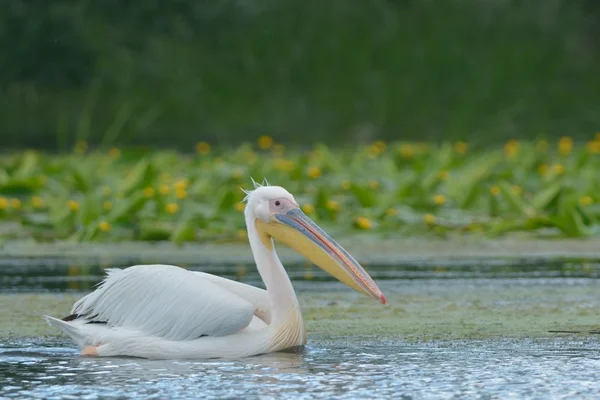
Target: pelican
x,y
168,312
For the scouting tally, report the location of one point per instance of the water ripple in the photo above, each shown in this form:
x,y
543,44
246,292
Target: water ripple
x,y
373,369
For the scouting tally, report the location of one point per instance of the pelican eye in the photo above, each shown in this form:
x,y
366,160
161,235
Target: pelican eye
x,y
277,203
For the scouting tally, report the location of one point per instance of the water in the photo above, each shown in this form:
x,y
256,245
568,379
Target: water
x,y
26,275
453,331
346,368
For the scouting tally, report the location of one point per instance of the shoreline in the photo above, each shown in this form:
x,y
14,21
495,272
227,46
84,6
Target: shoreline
x,y
417,250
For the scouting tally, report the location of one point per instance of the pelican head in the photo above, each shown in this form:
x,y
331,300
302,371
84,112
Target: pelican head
x,y
277,215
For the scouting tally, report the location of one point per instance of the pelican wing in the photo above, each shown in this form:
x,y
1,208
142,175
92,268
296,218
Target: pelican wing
x,y
259,298
165,301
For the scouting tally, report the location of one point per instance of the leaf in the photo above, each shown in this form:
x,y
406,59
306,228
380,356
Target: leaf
x,y
227,200
546,197
28,165
126,208
364,195
516,203
20,186
494,205
88,233
471,197
140,177
81,183
155,233
184,232
471,175
502,226
4,177
570,223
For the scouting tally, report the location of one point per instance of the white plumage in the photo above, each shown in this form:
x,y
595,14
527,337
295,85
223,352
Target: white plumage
x,y
191,306
181,313
164,311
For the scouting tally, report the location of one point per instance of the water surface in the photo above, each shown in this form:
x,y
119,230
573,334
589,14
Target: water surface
x,y
449,331
343,368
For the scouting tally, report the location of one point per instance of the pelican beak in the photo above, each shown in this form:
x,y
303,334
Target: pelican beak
x,y
298,231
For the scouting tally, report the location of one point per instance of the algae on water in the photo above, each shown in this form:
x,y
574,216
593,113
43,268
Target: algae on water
x,y
417,310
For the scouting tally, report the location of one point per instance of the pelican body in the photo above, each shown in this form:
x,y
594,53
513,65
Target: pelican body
x,y
167,312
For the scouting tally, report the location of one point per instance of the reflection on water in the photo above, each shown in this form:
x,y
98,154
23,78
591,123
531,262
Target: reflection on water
x,y
57,275
346,368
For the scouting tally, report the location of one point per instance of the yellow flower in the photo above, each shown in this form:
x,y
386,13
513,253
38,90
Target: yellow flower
x,y
376,148
202,148
439,199
586,201
278,149
81,147
593,146
281,164
495,190
390,212
372,151
15,203
237,173
114,153
106,191
511,147
380,144
3,203
364,223
242,234
73,205
172,208
164,189
249,158
107,205
240,207
565,145
181,193
265,142
406,150
149,191
444,175
543,169
333,205
37,202
346,184
314,172
461,147
542,146
597,135
429,219
104,226
373,184
423,147
308,208
558,169
182,184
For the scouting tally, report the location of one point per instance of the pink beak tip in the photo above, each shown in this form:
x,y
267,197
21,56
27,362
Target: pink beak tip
x,y
383,299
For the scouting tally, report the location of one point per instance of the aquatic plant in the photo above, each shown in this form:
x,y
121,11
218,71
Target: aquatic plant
x,y
389,189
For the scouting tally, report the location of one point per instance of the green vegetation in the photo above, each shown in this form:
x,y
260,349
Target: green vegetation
x,y
172,73
416,311
396,189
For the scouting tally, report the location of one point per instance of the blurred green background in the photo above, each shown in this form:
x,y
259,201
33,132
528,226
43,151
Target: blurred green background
x,y
174,73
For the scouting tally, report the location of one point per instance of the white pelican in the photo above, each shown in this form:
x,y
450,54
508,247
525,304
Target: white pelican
x,y
167,312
